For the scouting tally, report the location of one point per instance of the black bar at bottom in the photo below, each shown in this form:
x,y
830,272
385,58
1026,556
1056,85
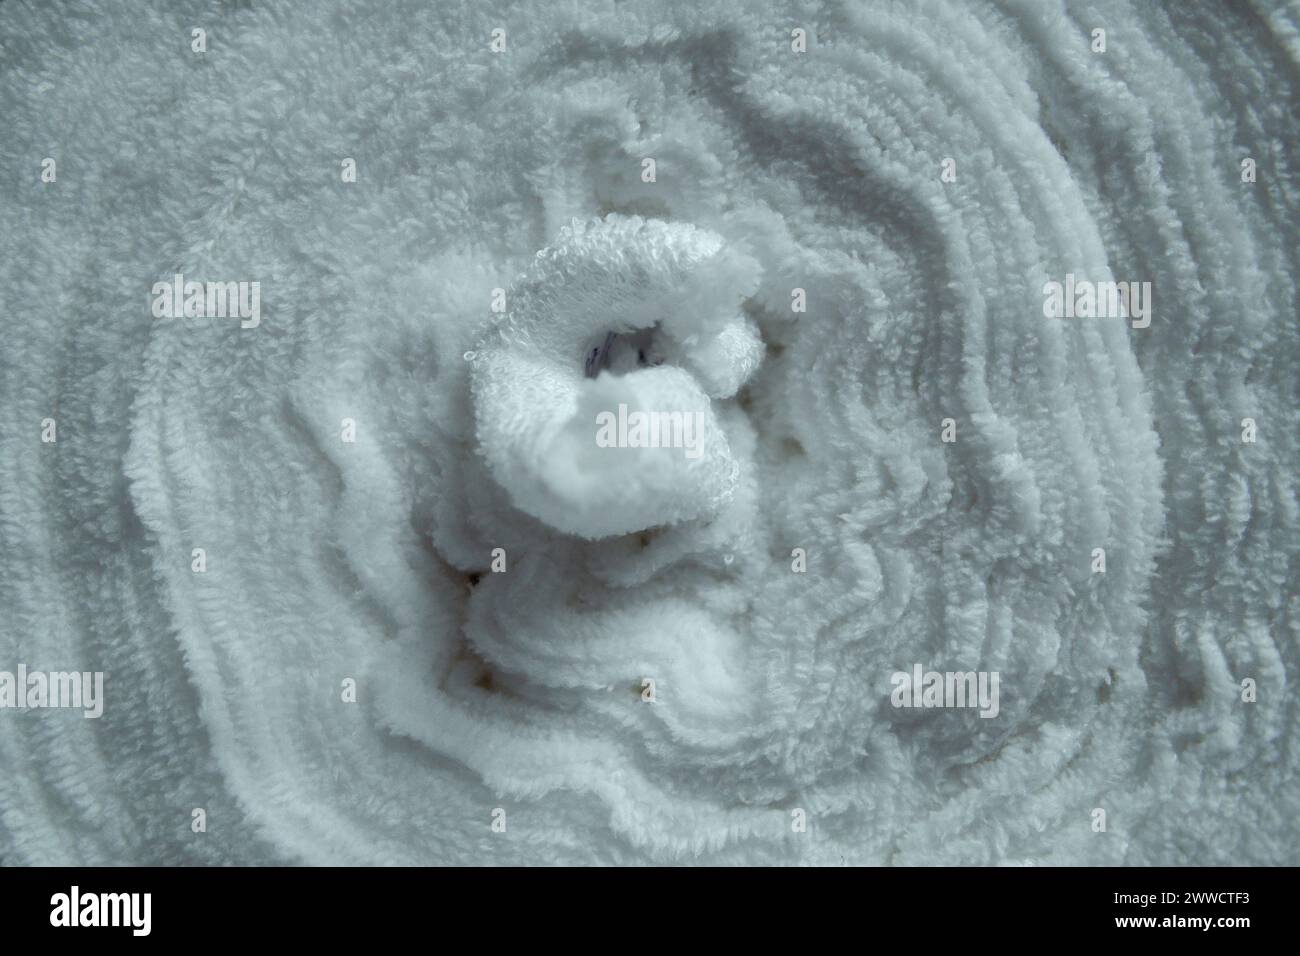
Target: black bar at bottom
x,y
651,907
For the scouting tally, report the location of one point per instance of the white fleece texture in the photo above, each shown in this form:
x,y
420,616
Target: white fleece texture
x,y
370,560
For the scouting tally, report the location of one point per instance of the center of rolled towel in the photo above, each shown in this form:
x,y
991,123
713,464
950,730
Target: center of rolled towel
x,y
621,352
550,379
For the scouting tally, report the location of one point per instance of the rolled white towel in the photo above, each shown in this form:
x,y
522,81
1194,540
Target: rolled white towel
x,y
621,317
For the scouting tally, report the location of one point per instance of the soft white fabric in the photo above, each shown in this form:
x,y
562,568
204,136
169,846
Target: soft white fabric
x,y
537,411
371,560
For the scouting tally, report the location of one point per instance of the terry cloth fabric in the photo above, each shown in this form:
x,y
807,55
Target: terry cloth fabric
x,y
361,582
